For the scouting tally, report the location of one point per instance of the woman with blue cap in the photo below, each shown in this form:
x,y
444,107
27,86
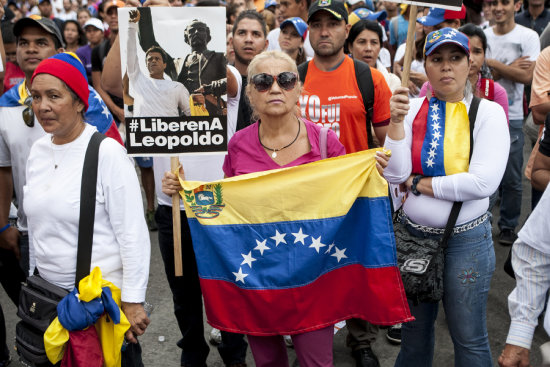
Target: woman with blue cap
x,y
291,39
430,140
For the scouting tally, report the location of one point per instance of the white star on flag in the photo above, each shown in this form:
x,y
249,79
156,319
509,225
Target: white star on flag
x,y
435,117
339,254
449,35
239,277
436,135
329,248
248,259
316,243
300,236
105,111
278,238
435,125
261,246
435,108
430,162
434,144
98,97
431,153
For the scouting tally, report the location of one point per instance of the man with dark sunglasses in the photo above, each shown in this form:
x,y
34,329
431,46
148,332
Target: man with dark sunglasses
x,y
341,106
37,39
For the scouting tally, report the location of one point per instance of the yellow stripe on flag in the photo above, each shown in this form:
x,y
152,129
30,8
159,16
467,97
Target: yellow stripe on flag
x,y
457,139
288,194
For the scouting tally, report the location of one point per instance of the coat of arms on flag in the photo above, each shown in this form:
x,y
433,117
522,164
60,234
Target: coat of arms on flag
x,y
297,249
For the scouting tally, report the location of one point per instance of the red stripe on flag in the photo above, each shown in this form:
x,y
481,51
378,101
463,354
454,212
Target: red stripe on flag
x,y
419,128
375,295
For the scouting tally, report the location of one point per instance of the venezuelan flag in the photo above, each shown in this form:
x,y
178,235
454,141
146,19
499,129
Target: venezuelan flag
x,y
296,249
441,138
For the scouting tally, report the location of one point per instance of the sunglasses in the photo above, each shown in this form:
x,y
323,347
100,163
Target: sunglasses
x,y
263,82
28,113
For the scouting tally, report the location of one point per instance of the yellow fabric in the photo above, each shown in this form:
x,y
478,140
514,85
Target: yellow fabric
x,y
457,139
111,336
197,109
23,92
346,172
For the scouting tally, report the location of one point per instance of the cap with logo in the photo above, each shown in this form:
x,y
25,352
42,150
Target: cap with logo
x,y
438,15
36,20
445,36
335,7
366,14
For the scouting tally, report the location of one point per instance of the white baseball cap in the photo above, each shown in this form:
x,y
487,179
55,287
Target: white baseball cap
x,y
94,22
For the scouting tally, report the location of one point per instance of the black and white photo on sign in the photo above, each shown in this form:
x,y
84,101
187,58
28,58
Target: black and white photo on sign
x,y
174,74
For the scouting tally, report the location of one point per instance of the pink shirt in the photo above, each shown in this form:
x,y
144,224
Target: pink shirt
x,y
245,154
500,94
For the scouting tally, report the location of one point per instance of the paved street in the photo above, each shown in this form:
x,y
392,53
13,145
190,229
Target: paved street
x,y
163,324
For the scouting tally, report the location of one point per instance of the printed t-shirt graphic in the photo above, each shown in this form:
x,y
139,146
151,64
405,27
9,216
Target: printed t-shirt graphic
x,y
333,99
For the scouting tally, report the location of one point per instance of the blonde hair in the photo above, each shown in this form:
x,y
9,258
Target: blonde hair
x,y
268,57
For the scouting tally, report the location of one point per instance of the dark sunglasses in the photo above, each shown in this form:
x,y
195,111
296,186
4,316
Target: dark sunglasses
x,y
263,82
28,113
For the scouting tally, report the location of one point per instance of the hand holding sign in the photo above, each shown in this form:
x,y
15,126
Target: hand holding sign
x,y
134,16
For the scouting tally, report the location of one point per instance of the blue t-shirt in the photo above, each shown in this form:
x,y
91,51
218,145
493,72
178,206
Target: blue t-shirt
x,y
402,27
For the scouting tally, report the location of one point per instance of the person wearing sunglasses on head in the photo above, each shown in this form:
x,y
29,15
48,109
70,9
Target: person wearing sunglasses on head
x,y
277,139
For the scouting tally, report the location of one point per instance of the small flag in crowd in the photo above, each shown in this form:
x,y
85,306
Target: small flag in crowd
x,y
296,249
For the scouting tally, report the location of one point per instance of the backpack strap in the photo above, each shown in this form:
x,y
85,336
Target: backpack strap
x,y
302,71
323,142
87,208
366,87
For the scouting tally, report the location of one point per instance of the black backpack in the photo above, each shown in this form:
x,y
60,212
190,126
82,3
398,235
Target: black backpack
x,y
366,87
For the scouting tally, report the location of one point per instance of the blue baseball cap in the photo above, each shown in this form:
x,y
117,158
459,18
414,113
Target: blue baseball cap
x,y
298,23
438,15
269,3
366,14
444,36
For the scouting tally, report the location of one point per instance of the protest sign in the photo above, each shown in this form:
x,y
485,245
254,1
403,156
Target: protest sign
x,y
174,75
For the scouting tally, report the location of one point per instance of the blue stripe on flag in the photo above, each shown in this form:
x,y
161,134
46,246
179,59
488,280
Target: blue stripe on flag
x,y
254,256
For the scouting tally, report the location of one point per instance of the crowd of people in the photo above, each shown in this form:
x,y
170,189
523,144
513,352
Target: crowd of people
x,y
295,70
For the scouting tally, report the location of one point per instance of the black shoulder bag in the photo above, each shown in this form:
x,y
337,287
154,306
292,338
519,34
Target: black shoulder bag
x,y
39,298
421,260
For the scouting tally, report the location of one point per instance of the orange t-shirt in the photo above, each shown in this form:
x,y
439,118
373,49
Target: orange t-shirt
x,y
333,99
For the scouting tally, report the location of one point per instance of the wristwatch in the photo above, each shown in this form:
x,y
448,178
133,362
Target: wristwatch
x,y
415,182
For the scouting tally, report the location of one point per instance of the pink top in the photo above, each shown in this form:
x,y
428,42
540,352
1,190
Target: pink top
x,y
500,94
245,154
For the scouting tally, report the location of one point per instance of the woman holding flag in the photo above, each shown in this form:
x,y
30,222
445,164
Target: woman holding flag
x,y
430,143
279,139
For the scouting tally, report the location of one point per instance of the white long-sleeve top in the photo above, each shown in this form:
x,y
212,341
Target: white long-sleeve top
x,y
153,97
121,246
489,157
531,263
